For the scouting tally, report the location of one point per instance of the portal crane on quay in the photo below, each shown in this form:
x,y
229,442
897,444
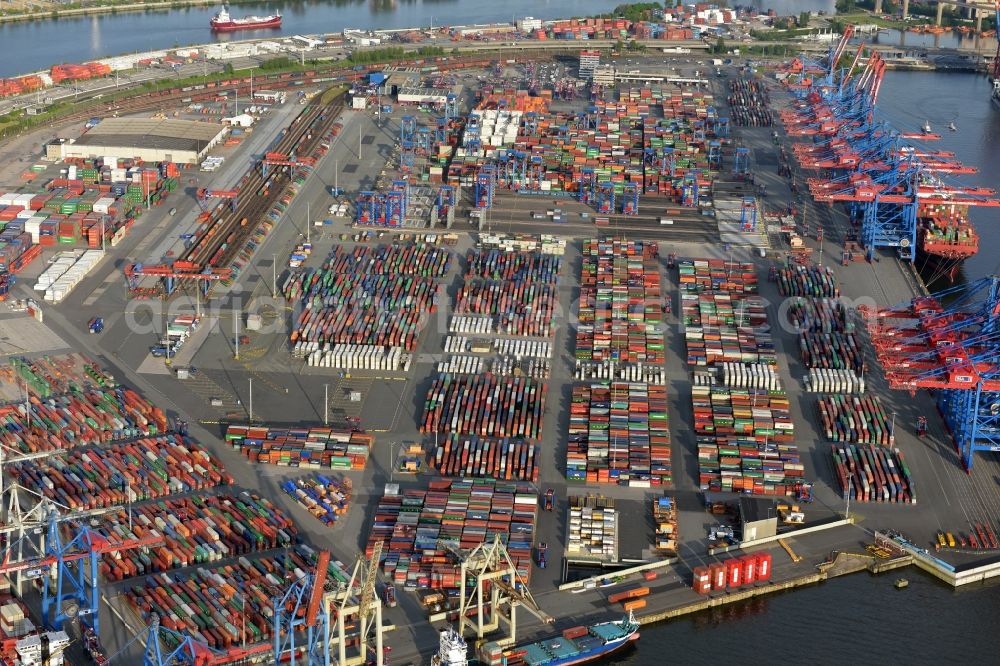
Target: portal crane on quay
x,y
76,558
953,349
497,586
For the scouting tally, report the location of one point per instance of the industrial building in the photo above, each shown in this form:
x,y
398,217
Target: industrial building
x,y
422,95
758,518
150,140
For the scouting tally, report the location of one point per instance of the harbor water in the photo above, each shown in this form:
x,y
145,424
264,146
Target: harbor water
x,y
845,620
36,45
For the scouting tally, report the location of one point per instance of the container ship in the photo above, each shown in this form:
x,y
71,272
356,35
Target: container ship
x,y
223,22
945,241
579,645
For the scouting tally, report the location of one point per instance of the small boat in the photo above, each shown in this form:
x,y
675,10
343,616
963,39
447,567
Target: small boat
x,y
901,583
927,127
952,127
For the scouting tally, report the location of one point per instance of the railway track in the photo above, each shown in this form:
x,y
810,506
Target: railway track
x,y
220,240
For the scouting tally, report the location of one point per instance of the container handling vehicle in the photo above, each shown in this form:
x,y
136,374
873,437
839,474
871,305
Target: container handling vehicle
x,y
549,499
540,557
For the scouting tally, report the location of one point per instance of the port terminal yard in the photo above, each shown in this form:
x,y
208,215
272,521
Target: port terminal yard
x,y
261,382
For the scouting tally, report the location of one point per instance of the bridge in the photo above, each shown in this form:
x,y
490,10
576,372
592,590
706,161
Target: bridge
x,y
977,9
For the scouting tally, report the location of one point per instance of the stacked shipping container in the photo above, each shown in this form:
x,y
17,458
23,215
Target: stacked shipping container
x,y
416,526
317,448
618,433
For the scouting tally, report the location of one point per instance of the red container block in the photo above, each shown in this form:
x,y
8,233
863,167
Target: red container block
x,y
702,580
717,574
763,566
734,573
749,566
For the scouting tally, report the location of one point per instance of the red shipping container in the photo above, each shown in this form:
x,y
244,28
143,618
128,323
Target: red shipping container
x,y
749,564
763,566
734,573
702,583
717,572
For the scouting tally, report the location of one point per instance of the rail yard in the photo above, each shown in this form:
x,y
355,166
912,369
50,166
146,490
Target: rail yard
x,y
474,337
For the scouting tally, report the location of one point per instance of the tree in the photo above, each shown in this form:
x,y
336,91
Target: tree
x,y
720,46
228,69
845,6
804,19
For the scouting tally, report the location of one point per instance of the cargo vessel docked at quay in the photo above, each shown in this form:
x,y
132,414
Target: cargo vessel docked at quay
x,y
223,22
577,645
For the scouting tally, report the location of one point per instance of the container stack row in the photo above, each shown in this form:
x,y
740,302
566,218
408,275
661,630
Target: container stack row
x,y
618,433
748,103
488,458
717,308
653,373
229,605
855,419
108,476
813,280
745,441
484,405
544,243
378,297
707,345
819,315
621,303
522,308
515,290
831,351
513,347
418,526
195,531
593,529
360,357
722,315
316,448
325,497
873,473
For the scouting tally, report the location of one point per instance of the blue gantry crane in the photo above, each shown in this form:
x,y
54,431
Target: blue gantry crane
x,y
949,342
486,180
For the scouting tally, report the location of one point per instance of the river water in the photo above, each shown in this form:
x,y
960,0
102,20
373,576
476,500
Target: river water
x,y
37,45
849,619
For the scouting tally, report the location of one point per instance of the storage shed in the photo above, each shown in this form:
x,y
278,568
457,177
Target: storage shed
x,y
758,518
151,140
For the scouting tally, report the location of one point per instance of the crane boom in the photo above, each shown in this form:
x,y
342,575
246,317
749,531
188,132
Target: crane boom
x,y
316,597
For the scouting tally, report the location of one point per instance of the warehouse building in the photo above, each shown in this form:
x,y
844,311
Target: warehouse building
x,y
150,140
422,95
758,518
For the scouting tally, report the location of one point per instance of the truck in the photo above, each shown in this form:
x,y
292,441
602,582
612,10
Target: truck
x,y
96,325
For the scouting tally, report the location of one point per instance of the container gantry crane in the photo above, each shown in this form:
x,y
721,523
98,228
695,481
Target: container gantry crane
x,y
302,613
486,180
948,342
75,559
497,590
358,599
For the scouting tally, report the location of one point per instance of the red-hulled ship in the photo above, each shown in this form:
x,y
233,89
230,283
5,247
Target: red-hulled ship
x,y
946,239
223,22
